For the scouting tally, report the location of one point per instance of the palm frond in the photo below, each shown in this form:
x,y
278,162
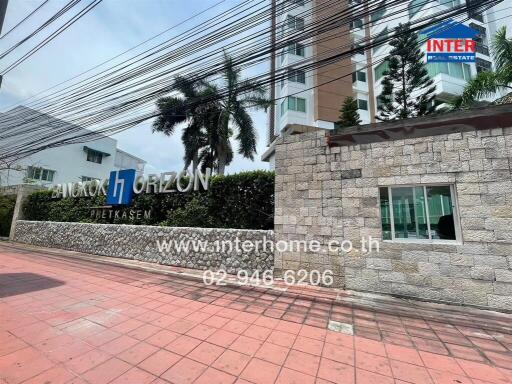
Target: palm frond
x,y
173,111
246,136
483,85
501,48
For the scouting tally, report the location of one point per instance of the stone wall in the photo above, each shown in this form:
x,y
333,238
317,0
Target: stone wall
x,y
325,193
139,242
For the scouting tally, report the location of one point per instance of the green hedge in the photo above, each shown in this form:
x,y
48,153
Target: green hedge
x,y
7,203
244,200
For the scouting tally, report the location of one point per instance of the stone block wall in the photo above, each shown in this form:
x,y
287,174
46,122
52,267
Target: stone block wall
x,y
325,193
139,242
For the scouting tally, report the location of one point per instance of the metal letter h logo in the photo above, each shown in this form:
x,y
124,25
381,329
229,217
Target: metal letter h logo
x,y
120,187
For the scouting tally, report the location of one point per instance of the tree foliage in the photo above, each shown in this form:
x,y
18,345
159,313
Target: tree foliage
x,y
7,203
407,90
487,84
349,116
244,200
214,113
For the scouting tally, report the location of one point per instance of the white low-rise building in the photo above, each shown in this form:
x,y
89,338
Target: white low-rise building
x,y
68,163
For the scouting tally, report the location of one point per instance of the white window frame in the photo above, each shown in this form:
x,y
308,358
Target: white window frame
x,y
455,209
41,170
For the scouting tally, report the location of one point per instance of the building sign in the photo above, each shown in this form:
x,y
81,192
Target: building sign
x,y
120,187
450,41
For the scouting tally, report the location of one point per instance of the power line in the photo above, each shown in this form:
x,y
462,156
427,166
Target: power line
x,y
119,54
117,106
24,19
48,22
52,36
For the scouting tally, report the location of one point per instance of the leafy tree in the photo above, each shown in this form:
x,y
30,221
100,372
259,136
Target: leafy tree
x,y
237,98
349,116
486,84
407,90
210,125
187,108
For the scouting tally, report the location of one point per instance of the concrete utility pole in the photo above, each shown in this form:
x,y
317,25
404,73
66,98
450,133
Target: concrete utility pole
x,y
271,121
3,8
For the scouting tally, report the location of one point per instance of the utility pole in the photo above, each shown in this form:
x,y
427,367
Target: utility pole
x,y
3,8
272,109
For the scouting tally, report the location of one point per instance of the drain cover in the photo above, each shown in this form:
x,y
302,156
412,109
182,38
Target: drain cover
x,y
336,326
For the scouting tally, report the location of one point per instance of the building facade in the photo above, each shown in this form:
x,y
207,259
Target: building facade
x,y
315,97
68,163
433,193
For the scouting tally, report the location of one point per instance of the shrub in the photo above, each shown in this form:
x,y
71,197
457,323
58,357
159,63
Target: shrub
x,y
7,203
244,200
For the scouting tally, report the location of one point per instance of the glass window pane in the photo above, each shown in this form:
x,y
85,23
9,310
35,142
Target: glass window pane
x,y
421,212
409,213
283,107
301,105
456,70
467,72
44,175
361,76
50,175
362,104
380,69
37,173
292,105
300,50
385,216
440,212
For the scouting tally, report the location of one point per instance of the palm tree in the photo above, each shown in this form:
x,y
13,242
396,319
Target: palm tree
x,y
234,101
213,113
486,84
187,107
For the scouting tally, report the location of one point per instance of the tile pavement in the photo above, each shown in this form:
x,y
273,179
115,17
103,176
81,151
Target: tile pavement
x,y
67,320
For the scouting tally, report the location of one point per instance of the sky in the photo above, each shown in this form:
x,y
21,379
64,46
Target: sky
x,y
111,28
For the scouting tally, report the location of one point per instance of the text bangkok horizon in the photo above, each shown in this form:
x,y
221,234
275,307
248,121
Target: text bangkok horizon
x,y
123,184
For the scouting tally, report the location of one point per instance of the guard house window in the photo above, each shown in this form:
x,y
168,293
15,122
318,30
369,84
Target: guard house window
x,y
40,174
419,213
94,156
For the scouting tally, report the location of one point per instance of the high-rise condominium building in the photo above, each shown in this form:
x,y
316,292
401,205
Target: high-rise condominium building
x,y
313,98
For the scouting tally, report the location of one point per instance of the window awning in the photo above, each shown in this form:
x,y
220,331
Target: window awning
x,y
86,149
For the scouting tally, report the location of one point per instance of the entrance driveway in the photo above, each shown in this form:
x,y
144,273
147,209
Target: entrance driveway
x,y
69,320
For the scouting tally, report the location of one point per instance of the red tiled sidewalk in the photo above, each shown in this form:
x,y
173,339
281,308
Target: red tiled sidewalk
x,y
66,320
